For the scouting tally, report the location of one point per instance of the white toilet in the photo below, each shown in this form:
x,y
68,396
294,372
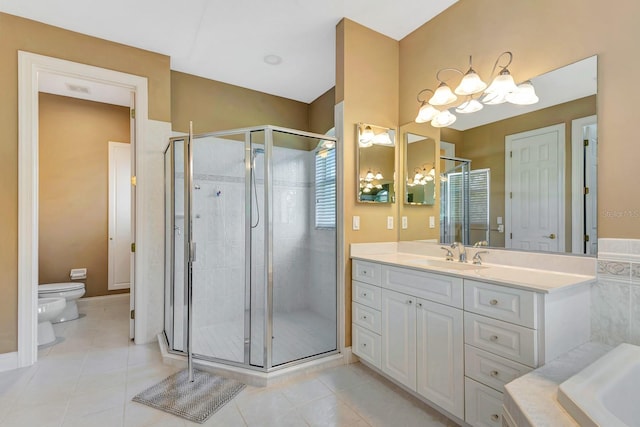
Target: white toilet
x,y
70,291
48,309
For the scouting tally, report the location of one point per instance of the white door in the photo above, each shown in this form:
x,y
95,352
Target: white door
x,y
119,215
534,189
440,361
398,358
132,221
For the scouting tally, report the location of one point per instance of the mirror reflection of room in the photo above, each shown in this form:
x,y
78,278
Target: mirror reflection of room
x,y
420,167
533,175
376,164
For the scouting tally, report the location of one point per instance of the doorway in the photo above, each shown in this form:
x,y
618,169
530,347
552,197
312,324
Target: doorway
x,y
31,68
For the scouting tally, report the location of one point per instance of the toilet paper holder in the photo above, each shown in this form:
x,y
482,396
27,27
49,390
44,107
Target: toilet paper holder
x,y
78,273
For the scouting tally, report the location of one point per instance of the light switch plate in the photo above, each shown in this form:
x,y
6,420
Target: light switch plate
x,y
499,220
405,222
432,222
356,222
389,223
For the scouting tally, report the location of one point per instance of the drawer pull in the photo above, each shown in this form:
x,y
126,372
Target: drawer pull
x,y
495,417
493,302
419,304
364,317
364,272
494,373
409,302
364,345
364,294
493,338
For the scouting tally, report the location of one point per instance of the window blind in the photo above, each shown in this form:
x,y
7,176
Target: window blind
x,y
326,188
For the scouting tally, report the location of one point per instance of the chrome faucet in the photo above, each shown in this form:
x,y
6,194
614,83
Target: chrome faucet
x,y
462,252
476,258
449,256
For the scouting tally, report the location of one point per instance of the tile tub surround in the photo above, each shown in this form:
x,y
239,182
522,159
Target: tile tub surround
x,y
90,378
615,299
531,400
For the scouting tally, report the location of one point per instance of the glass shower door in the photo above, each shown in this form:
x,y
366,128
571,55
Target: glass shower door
x,y
454,200
218,231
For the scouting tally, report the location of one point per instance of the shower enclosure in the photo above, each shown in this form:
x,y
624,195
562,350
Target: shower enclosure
x,y
251,228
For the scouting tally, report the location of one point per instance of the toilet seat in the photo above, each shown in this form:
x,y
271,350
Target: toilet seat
x,y
50,288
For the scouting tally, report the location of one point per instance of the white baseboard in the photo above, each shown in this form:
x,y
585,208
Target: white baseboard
x,y
8,361
104,299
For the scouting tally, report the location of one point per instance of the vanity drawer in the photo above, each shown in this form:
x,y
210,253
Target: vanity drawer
x,y
366,345
483,405
504,339
366,294
433,287
489,369
366,317
367,272
501,302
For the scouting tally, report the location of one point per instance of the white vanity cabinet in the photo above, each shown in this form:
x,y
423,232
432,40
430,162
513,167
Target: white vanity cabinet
x,y
510,331
421,331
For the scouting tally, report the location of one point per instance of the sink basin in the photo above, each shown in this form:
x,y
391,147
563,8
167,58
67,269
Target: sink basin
x,y
447,265
606,392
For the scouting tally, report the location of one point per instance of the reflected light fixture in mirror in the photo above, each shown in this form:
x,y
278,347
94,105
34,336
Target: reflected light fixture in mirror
x,y
502,89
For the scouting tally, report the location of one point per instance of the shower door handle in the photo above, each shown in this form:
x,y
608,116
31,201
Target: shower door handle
x,y
193,251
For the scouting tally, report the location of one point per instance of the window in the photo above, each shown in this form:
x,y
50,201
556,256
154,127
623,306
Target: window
x,y
325,188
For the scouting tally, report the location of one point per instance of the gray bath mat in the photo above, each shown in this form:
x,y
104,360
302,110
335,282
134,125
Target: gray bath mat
x,y
195,401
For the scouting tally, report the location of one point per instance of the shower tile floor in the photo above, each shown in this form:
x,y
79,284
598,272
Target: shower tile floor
x,y
89,379
296,335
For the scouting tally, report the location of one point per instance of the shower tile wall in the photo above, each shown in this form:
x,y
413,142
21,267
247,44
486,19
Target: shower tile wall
x,y
615,298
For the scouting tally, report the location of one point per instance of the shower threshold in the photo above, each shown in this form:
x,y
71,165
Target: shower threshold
x,y
253,377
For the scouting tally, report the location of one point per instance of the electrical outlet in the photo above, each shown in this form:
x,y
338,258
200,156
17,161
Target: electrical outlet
x,y
356,222
389,223
499,220
405,222
432,222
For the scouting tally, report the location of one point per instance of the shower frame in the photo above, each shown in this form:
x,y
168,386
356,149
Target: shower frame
x,y
190,249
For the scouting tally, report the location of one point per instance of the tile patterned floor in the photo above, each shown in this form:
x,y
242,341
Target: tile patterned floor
x,y
90,378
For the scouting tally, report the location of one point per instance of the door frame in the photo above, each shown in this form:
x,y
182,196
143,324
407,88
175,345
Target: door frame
x,y
30,65
577,181
508,144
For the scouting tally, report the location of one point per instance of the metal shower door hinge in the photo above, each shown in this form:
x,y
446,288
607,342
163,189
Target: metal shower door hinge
x,y
133,314
133,247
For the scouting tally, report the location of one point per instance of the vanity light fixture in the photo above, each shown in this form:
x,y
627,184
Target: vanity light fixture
x,y
366,136
421,176
502,89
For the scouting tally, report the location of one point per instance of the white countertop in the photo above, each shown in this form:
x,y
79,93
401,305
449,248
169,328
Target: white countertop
x,y
531,400
536,280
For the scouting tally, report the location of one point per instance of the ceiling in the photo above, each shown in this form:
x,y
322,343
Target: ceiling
x,y
228,41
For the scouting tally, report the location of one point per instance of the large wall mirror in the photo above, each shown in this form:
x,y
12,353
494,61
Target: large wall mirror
x,y
376,159
533,169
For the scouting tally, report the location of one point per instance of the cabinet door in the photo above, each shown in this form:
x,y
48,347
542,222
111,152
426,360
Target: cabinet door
x,y
440,356
399,337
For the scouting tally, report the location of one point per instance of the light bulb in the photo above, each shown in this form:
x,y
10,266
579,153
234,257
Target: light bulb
x,y
369,176
442,95
502,84
524,94
426,113
471,83
470,106
444,119
379,176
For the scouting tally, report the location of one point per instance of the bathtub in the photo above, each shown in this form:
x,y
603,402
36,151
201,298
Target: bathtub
x,y
607,392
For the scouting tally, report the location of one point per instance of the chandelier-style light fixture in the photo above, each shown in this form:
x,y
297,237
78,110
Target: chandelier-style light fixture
x,y
422,175
475,92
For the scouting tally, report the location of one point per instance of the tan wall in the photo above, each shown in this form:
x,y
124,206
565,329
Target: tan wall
x,y
370,90
322,112
213,105
74,187
22,34
484,145
540,39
